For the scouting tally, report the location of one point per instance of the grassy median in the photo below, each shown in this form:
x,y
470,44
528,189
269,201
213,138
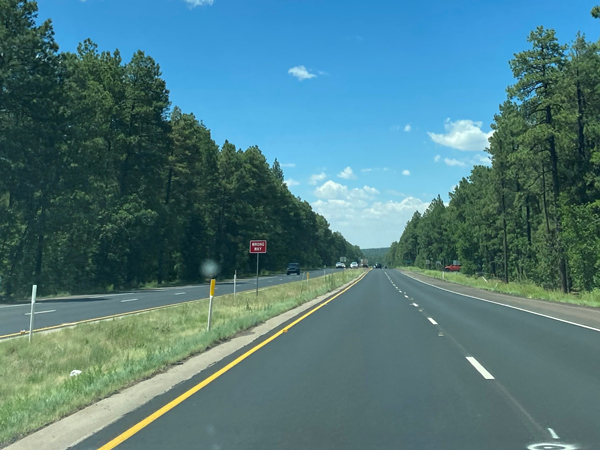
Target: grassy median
x,y
36,388
520,289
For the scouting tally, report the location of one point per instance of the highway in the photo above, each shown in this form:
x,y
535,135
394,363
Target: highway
x,y
55,312
391,363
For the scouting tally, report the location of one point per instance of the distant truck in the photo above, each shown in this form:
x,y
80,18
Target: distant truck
x,y
452,268
364,263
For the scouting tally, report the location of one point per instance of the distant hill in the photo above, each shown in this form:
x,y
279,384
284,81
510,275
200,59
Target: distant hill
x,y
375,255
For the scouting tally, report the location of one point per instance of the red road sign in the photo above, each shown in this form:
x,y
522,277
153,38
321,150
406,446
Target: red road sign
x,y
258,246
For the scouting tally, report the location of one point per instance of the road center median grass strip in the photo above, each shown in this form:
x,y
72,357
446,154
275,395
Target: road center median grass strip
x,y
96,319
36,388
519,289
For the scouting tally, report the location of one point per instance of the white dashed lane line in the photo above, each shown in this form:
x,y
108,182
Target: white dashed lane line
x,y
129,300
432,321
484,373
41,312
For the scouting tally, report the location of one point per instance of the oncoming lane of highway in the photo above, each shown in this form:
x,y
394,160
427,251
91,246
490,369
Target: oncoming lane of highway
x,y
391,363
63,311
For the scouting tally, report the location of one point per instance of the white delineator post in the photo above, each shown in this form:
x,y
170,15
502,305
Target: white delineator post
x,y
33,294
210,302
234,282
257,255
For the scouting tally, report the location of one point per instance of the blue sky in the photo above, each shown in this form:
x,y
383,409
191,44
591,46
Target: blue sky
x,y
372,107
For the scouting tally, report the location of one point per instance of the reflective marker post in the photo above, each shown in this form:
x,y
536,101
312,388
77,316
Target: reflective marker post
x,y
33,294
234,282
210,302
257,255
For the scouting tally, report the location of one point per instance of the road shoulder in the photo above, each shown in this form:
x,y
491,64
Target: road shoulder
x,y
580,315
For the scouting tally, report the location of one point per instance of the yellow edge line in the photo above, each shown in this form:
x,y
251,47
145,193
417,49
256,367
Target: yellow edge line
x,y
169,406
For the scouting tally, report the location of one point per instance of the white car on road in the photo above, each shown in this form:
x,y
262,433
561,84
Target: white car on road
x,y
354,265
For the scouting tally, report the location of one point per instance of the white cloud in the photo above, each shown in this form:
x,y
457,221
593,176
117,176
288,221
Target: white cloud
x,y
462,135
395,128
347,174
356,221
406,172
331,190
437,158
366,170
194,3
407,127
370,190
290,182
454,162
288,165
300,72
321,72
316,178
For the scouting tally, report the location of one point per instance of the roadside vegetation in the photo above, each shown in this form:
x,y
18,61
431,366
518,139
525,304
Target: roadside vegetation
x,y
531,214
36,388
520,289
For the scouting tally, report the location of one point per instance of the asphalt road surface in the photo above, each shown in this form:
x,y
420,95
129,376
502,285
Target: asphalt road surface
x,y
15,318
390,364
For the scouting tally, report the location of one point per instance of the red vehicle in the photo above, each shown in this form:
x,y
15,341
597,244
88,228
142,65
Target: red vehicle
x,y
452,268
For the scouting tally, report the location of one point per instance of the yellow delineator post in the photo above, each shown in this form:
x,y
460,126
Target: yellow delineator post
x,y
210,302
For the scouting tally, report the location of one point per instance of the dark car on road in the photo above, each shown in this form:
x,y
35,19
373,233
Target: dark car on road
x,y
378,266
293,268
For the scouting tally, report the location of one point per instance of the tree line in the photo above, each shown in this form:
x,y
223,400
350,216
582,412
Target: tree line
x,y
535,213
103,184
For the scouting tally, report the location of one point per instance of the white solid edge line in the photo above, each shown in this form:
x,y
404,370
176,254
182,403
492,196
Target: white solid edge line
x,y
480,368
129,300
508,306
553,433
432,321
41,312
14,306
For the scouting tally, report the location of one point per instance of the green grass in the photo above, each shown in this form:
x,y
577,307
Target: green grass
x,y
36,388
520,289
